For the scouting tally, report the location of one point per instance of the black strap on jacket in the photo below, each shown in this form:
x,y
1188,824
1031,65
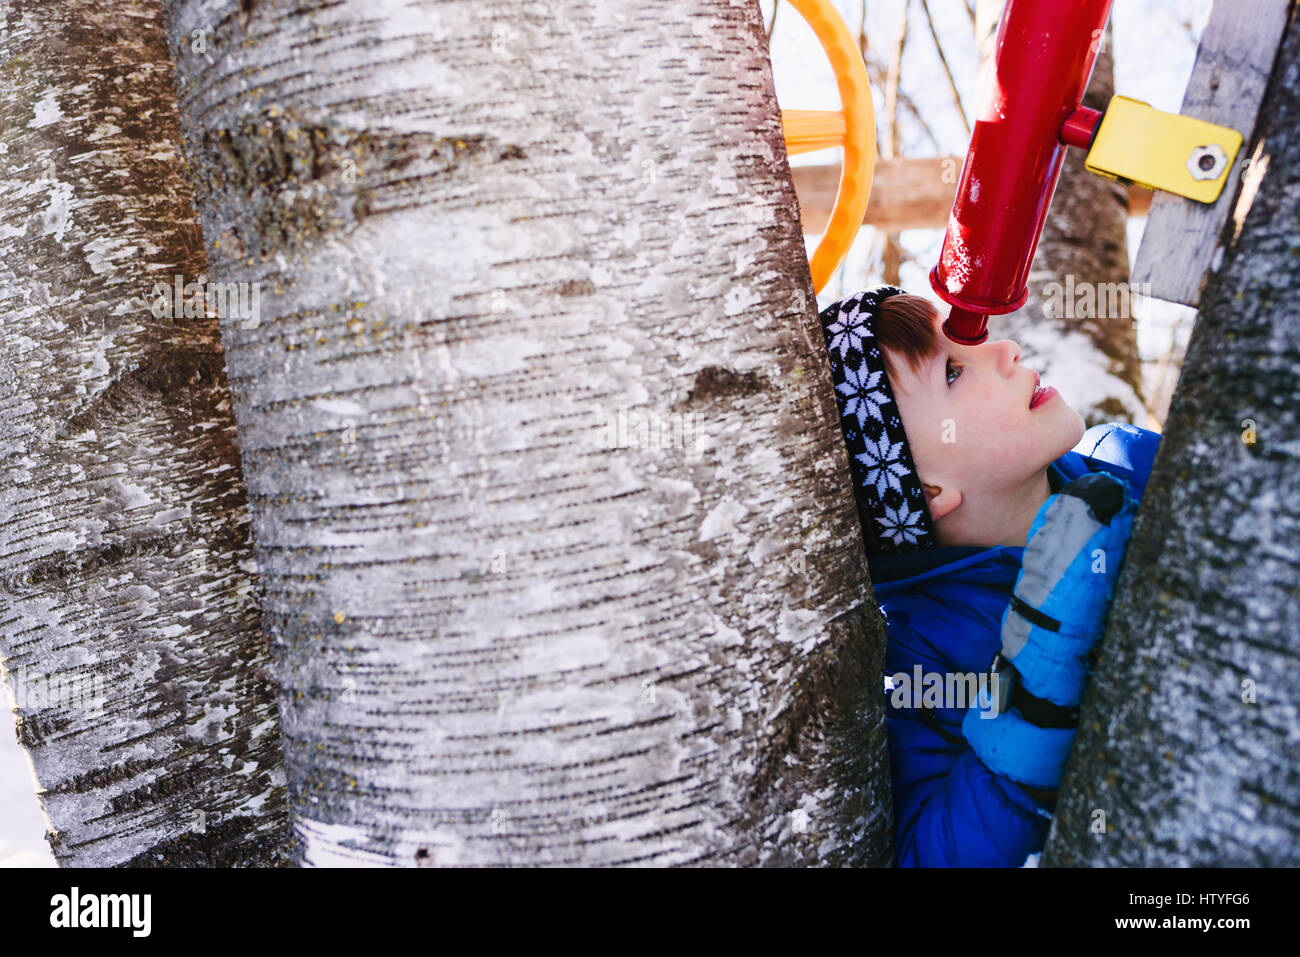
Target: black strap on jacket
x,y
1033,615
1040,711
932,719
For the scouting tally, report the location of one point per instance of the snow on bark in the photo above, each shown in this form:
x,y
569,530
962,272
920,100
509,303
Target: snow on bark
x,y
1188,752
129,634
551,509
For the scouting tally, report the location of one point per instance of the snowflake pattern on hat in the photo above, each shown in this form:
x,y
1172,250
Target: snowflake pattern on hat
x,y
891,502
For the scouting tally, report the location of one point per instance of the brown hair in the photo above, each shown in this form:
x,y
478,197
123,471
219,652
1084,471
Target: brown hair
x,y
904,326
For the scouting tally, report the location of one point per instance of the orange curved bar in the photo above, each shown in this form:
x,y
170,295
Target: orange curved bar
x,y
809,130
859,140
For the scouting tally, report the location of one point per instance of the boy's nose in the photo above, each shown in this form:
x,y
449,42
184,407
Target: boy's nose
x,y
1009,354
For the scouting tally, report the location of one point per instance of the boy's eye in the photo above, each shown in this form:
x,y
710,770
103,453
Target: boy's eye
x,y
950,367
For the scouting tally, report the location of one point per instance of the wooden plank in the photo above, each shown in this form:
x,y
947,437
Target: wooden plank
x,y
905,194
1232,67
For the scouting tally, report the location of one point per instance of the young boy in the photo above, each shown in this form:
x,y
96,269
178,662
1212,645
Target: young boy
x,y
995,526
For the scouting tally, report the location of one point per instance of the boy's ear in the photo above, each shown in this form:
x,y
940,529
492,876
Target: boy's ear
x,y
940,500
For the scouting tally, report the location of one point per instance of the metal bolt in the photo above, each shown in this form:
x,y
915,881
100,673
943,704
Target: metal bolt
x,y
1207,162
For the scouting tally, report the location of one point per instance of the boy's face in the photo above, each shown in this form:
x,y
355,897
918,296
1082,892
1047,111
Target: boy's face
x,y
969,425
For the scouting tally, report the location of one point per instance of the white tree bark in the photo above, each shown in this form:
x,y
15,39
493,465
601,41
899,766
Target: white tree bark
x,y
129,634
508,630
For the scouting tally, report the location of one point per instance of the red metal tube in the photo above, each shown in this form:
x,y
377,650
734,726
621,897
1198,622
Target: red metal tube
x,y
1080,127
1033,84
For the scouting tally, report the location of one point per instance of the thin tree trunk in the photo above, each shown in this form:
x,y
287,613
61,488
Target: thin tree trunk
x,y
1187,753
947,70
893,259
129,632
1088,348
878,74
550,502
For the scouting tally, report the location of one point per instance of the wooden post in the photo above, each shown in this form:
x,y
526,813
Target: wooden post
x,y
1233,64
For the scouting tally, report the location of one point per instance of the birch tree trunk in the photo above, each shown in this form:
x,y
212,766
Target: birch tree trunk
x,y
1188,751
551,507
1077,328
129,634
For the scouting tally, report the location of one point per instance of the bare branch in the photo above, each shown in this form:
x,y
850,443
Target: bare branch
x,y
876,73
952,82
889,144
909,105
893,259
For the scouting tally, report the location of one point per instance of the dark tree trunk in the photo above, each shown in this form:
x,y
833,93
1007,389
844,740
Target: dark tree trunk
x,y
508,629
129,632
1189,753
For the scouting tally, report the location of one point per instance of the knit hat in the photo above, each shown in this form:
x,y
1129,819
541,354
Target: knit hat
x,y
891,501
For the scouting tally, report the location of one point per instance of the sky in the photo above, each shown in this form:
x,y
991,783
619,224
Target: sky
x,y
1154,50
22,826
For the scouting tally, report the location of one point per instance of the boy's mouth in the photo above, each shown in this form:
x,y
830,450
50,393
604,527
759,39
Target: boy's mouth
x,y
1040,394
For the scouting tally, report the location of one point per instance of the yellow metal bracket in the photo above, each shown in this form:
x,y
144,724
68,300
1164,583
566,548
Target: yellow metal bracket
x,y
1137,143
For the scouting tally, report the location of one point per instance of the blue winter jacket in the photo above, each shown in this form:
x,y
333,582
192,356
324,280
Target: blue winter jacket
x,y
944,609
